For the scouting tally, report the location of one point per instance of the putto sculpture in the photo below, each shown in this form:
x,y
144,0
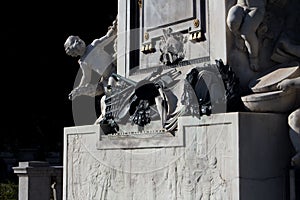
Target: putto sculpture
x,y
243,20
93,57
294,118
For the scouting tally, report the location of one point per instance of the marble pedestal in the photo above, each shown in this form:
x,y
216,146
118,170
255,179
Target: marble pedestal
x,y
222,156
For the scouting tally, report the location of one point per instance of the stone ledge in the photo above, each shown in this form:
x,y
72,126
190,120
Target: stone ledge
x,y
134,137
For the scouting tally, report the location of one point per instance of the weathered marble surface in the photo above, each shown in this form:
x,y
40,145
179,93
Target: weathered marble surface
x,y
223,156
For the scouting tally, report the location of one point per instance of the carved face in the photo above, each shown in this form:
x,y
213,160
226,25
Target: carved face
x,y
74,46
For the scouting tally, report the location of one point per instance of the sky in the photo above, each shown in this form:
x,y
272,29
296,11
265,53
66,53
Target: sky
x,y
37,75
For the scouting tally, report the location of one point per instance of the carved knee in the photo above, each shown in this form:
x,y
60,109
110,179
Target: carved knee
x,y
235,18
294,121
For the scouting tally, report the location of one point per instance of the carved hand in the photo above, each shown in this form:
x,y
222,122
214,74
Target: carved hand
x,y
88,90
74,93
285,84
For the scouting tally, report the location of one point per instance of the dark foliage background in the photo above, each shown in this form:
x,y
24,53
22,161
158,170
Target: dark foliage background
x,y
37,75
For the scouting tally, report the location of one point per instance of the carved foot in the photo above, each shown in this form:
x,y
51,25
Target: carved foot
x,y
254,64
295,162
98,121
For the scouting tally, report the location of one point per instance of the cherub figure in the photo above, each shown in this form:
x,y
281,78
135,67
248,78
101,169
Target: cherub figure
x,y
93,57
243,20
294,118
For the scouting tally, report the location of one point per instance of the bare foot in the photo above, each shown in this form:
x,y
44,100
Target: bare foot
x,y
254,64
295,162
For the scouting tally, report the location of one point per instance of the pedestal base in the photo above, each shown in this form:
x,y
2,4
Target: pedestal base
x,y
222,156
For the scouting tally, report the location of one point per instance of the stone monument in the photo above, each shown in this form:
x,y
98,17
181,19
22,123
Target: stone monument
x,y
199,100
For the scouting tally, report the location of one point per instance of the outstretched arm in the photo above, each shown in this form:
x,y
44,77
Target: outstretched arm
x,y
112,31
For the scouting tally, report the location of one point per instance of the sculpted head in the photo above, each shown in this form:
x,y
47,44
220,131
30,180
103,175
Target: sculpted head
x,y
74,46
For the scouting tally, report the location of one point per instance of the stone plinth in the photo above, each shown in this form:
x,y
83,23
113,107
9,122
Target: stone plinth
x,y
35,179
222,156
